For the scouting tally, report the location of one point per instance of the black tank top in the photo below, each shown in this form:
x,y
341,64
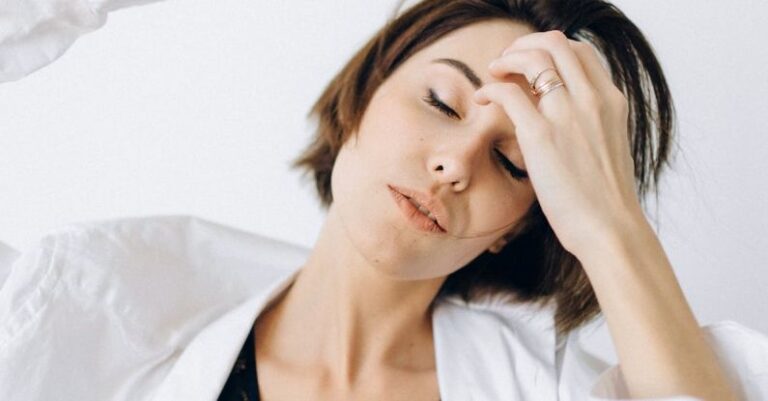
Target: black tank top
x,y
243,384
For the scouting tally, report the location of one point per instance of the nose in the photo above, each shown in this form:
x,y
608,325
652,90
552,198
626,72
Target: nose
x,y
449,173
451,163
460,153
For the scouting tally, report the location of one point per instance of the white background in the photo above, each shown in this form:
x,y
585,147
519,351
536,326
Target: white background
x,y
198,107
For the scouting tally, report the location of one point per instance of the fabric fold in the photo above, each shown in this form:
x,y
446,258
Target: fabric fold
x,y
34,33
7,256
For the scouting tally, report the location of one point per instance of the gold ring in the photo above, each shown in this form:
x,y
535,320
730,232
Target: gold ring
x,y
546,87
549,87
532,82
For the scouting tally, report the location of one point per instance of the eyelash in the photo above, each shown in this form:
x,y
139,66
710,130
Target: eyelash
x,y
435,102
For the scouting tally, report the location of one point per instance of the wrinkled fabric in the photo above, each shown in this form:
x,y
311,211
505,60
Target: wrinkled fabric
x,y
34,33
7,256
158,307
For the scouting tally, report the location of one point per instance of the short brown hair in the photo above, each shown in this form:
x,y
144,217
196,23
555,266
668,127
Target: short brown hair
x,y
533,266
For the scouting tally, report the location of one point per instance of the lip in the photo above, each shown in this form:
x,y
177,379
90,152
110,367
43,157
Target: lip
x,y
434,205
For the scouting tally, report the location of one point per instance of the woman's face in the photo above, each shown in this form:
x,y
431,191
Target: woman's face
x,y
405,142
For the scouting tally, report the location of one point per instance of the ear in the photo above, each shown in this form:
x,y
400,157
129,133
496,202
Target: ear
x,y
502,241
498,245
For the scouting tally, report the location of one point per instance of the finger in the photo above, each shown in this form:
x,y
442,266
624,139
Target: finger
x,y
591,62
534,64
565,60
595,69
528,121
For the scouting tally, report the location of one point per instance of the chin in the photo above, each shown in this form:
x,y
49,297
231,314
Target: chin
x,y
390,252
376,230
401,262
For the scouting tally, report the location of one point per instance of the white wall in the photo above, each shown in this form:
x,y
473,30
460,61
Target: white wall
x,y
197,108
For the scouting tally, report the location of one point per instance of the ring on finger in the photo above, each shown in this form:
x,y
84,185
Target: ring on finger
x,y
532,82
547,87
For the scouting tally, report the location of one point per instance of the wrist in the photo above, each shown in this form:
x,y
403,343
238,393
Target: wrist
x,y
625,234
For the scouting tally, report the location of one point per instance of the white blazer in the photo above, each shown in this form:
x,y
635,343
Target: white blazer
x,y
157,308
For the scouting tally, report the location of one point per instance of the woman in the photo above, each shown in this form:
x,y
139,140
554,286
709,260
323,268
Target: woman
x,y
482,172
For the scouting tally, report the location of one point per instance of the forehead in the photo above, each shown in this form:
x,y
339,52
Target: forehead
x,y
476,44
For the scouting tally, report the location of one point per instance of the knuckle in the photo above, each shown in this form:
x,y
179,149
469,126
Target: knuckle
x,y
556,36
578,44
581,47
558,39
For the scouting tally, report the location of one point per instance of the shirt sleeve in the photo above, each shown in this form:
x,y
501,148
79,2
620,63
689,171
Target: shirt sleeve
x,y
34,33
743,352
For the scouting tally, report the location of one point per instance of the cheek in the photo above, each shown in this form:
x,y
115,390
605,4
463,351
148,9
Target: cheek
x,y
396,123
497,210
391,140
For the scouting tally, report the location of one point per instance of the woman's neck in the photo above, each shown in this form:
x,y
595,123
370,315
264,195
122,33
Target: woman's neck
x,y
344,315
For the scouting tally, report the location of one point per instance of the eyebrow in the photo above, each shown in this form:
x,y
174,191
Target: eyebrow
x,y
463,68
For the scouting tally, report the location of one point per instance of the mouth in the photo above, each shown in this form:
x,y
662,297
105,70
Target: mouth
x,y
420,212
422,209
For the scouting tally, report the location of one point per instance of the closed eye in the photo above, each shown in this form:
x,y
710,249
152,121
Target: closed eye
x,y
516,173
435,102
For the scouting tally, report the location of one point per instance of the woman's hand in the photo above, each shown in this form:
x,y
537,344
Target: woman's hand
x,y
574,141
576,149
